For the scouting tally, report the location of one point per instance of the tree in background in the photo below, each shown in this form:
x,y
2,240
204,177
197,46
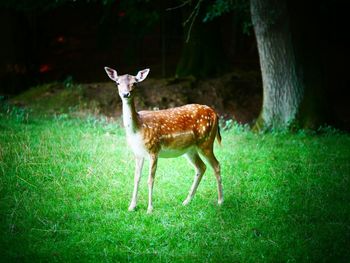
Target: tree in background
x,y
19,63
291,50
132,19
27,38
202,53
283,87
292,38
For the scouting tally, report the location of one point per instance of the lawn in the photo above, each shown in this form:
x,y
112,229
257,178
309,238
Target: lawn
x,y
66,183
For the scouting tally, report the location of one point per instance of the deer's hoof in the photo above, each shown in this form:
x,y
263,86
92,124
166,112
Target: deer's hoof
x,y
186,202
220,201
150,210
132,208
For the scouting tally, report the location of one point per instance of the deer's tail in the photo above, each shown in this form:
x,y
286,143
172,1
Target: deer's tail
x,y
218,135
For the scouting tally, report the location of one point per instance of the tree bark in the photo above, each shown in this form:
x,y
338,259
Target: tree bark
x,y
282,83
309,37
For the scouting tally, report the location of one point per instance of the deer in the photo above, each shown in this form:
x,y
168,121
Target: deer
x,y
189,130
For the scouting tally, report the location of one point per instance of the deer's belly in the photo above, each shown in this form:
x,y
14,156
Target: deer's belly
x,y
172,153
166,150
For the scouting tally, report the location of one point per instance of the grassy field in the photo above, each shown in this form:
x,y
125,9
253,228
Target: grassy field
x,y
66,183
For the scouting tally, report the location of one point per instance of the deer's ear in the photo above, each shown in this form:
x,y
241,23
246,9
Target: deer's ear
x,y
112,74
142,74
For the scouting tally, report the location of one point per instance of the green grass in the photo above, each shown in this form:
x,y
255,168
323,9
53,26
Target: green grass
x,y
65,186
52,98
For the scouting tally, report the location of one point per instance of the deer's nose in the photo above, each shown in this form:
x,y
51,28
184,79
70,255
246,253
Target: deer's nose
x,y
126,95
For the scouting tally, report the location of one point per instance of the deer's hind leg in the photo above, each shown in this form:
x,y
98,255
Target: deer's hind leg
x,y
208,154
200,167
152,172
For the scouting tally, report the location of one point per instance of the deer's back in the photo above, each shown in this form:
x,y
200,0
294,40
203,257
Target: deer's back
x,y
177,129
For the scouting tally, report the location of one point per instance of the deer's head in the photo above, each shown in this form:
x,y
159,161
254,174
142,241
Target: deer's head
x,y
126,83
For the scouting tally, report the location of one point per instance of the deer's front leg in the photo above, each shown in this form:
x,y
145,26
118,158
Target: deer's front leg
x,y
152,172
137,177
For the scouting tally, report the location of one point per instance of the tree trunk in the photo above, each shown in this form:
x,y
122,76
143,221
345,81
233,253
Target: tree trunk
x,y
282,85
309,38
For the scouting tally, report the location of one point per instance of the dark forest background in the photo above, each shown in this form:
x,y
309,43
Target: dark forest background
x,y
46,41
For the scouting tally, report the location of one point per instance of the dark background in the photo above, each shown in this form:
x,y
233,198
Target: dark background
x,y
75,40
79,38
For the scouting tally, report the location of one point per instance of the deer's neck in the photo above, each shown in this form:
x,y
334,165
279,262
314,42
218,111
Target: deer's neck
x,y
130,117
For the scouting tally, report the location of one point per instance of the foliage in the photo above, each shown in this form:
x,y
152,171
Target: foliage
x,y
65,184
140,13
222,7
15,113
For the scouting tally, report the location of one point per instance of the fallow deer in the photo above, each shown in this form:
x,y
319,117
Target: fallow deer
x,y
189,130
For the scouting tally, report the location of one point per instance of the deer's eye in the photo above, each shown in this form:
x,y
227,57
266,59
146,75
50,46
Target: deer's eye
x,y
117,83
